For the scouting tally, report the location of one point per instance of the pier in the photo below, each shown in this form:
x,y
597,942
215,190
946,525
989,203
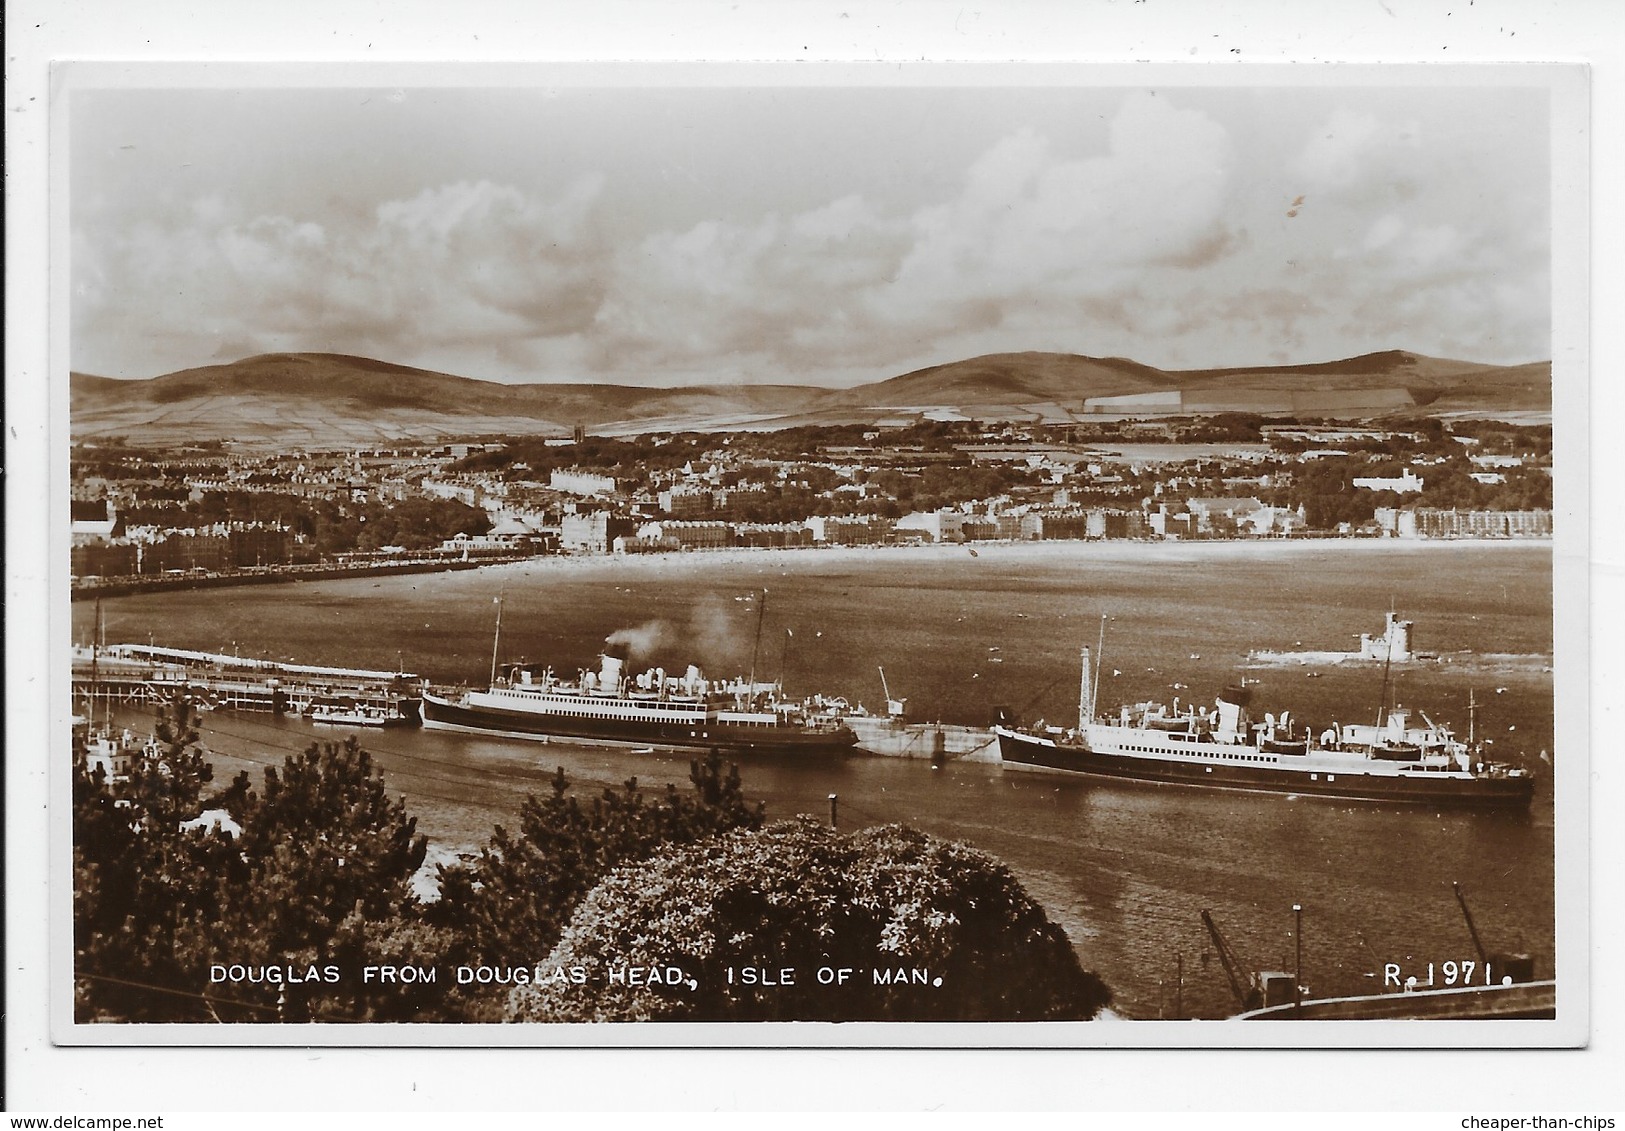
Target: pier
x,y
1517,1001
141,673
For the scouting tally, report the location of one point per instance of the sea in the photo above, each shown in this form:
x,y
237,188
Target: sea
x,y
1127,870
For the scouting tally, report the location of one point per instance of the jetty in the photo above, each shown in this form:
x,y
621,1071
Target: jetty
x,y
145,673
893,737
1515,1001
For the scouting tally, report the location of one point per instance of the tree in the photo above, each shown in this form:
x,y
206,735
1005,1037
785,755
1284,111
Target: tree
x,y
145,886
325,857
316,875
512,903
930,930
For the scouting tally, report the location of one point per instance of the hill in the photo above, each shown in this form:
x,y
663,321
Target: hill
x,y
330,400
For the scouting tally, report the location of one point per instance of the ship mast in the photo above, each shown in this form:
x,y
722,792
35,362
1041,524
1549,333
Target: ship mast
x,y
1086,707
95,678
1387,662
761,611
1094,693
1472,928
496,640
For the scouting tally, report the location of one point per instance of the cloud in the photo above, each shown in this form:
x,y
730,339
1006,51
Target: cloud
x,y
786,288
1029,234
1033,226
1383,232
1340,149
1164,236
477,264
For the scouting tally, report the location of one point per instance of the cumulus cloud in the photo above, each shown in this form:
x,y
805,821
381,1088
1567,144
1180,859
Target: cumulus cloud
x,y
786,288
1031,225
472,263
1169,236
1353,148
1029,233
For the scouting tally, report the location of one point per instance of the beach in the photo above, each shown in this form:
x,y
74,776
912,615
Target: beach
x,y
1003,553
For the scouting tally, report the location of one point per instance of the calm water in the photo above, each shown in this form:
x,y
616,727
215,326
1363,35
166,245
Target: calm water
x,y
1125,869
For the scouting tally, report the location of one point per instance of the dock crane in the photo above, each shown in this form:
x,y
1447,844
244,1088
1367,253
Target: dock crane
x,y
1497,966
895,708
1243,986
1252,990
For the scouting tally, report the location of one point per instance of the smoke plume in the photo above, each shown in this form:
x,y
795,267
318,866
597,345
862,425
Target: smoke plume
x,y
642,641
718,635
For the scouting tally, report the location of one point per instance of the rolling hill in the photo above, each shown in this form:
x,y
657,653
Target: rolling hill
x,y
313,399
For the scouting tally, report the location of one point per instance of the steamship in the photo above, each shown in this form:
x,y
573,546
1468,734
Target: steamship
x,y
1225,747
647,709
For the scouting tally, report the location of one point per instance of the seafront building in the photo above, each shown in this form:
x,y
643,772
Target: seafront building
x,y
1435,522
997,482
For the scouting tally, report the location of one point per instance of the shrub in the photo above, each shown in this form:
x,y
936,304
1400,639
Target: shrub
x,y
890,904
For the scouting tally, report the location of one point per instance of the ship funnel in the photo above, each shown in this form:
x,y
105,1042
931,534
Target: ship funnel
x,y
610,664
1240,696
1230,726
1232,717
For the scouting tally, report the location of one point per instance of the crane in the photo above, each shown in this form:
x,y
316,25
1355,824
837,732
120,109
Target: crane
x,y
1498,966
1245,987
1472,928
895,708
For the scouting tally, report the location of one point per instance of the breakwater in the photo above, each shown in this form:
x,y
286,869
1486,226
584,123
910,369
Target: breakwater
x,y
85,589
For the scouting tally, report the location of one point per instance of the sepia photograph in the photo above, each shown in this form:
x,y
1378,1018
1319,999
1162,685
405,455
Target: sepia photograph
x,y
553,549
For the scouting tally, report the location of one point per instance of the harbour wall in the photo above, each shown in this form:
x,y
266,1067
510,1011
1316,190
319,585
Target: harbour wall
x,y
125,587
934,742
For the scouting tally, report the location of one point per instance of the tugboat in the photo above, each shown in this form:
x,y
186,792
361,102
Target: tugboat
x,y
357,715
1225,747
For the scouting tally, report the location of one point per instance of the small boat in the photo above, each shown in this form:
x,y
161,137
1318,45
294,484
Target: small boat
x,y
356,715
116,755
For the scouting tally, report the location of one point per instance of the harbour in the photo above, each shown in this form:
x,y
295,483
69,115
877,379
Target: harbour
x,y
1125,869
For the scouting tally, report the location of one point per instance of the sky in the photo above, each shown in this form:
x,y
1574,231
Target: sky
x,y
822,234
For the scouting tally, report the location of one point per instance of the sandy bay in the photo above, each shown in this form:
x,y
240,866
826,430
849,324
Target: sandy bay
x,y
1006,553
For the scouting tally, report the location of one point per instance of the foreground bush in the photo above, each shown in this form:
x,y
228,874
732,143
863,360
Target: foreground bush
x,y
893,906
513,901
308,875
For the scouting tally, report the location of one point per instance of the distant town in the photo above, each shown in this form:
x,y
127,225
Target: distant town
x,y
209,513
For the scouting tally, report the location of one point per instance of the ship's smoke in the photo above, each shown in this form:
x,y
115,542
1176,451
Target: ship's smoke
x,y
717,634
642,641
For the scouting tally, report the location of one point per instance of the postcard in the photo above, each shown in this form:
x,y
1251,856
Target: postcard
x,y
940,556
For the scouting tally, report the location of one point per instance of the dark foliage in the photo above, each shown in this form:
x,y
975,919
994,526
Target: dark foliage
x,y
930,930
319,870
144,888
510,905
